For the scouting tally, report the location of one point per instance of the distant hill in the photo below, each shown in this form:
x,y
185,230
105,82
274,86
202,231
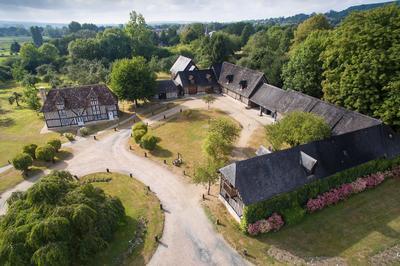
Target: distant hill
x,y
334,17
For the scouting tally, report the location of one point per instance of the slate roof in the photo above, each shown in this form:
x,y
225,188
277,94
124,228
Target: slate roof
x,y
199,77
78,97
263,177
181,64
166,86
217,69
238,73
340,119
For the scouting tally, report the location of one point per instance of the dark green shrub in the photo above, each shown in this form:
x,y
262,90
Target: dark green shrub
x,y
139,126
56,143
22,161
148,142
30,149
293,215
45,153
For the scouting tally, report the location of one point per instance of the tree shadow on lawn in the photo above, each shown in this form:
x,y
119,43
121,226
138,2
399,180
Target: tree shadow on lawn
x,y
332,231
59,163
6,121
161,152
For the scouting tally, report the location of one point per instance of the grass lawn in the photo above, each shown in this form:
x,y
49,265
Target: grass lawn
x,y
183,133
354,230
138,203
18,125
163,75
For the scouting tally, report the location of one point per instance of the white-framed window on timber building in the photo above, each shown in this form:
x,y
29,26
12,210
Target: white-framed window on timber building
x,y
95,109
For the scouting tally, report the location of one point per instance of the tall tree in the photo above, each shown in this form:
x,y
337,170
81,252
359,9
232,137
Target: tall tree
x,y
316,22
49,53
133,79
304,70
30,56
267,52
15,47
140,35
36,33
297,128
362,62
74,26
114,44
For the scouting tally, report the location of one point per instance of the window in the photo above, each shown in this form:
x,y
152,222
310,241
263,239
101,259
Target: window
x,y
62,113
243,84
229,79
93,101
60,106
96,109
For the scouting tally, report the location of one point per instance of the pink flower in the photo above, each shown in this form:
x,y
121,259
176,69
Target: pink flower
x,y
359,185
254,229
276,221
265,226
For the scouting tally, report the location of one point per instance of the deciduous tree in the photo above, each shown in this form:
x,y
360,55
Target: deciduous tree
x,y
133,79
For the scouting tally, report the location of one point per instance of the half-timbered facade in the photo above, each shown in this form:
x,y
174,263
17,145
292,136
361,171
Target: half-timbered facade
x,y
77,106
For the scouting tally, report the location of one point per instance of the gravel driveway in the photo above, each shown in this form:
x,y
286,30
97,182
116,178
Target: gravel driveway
x,y
189,237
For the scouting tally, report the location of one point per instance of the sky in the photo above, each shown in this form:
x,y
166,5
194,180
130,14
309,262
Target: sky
x,y
117,11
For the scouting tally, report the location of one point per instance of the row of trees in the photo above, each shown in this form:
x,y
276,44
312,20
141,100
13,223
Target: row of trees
x,y
355,65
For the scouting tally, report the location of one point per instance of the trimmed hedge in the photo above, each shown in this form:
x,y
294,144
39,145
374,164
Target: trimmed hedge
x,y
288,202
138,134
22,162
45,153
56,143
149,142
139,126
30,149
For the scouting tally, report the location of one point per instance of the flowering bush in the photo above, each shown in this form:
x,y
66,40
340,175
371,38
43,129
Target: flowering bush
x,y
344,191
273,223
359,185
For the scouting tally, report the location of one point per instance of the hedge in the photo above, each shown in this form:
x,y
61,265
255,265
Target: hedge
x,y
288,203
30,149
45,153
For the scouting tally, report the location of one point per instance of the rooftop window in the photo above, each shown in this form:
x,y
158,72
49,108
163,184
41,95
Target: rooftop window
x,y
309,163
229,79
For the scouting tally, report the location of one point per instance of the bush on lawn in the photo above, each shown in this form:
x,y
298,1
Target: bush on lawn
x,y
293,215
149,142
22,162
273,223
45,153
300,197
56,143
30,149
138,134
139,126
69,136
84,131
58,222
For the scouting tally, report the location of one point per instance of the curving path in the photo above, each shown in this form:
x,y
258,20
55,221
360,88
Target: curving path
x,y
189,237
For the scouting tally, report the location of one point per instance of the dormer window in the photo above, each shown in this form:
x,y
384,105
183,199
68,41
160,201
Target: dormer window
x,y
229,79
243,84
208,77
60,106
309,163
93,101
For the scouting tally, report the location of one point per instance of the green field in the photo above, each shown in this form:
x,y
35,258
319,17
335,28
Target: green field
x,y
5,43
18,125
183,133
354,230
138,202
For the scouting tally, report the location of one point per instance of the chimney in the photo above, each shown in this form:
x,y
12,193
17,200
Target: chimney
x,y
43,94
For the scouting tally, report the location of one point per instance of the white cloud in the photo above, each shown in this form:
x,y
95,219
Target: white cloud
x,y
117,11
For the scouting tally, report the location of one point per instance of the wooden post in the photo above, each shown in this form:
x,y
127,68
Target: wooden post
x,y
156,238
108,170
148,188
161,206
94,137
115,129
203,197
130,175
145,154
245,252
184,172
130,147
180,110
217,221
8,161
165,161
165,117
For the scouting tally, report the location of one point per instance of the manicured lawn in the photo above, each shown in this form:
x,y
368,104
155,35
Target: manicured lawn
x,y
355,230
183,133
138,202
19,126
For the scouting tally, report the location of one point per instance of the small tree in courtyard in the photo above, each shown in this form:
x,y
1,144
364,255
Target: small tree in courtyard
x,y
297,128
30,149
208,99
15,98
45,153
207,173
56,143
22,162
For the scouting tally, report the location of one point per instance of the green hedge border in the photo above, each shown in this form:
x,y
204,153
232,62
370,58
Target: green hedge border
x,y
288,204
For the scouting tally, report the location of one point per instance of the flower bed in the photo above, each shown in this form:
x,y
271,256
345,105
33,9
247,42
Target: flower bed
x,y
331,197
335,195
272,223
